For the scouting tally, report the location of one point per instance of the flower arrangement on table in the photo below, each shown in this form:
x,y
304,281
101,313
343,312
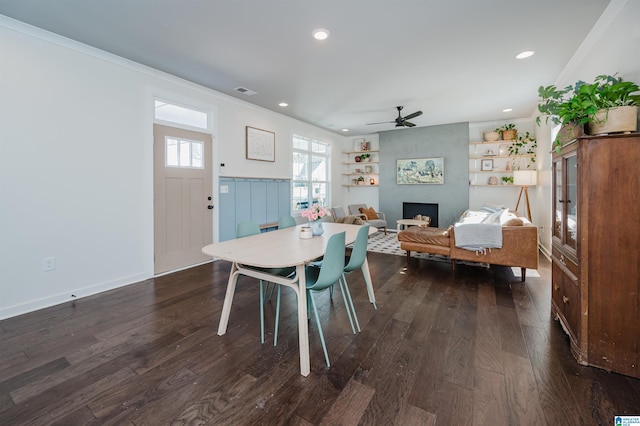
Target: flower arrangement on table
x,y
315,212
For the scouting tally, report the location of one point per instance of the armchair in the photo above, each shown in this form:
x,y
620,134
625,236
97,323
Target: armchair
x,y
339,216
380,222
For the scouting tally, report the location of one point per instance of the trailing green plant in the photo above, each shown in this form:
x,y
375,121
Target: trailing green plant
x,y
578,104
524,145
364,156
507,179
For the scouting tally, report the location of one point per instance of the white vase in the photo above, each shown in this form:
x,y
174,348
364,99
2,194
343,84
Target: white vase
x,y
316,227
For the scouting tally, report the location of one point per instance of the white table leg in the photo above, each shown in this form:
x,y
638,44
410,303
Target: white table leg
x,y
228,299
367,278
303,327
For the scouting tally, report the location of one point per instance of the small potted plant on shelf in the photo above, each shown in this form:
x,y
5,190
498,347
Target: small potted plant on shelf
x,y
507,180
508,131
365,157
360,180
593,105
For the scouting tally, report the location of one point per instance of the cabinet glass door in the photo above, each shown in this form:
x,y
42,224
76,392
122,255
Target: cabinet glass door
x,y
558,212
571,201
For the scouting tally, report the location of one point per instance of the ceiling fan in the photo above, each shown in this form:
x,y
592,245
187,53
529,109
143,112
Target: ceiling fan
x,y
402,121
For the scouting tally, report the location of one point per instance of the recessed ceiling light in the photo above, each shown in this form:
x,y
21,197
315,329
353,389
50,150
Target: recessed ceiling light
x,y
321,34
283,104
525,54
345,130
507,110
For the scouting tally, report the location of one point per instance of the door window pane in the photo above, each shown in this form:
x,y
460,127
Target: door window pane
x,y
184,153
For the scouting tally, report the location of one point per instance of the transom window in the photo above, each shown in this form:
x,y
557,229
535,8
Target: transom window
x,y
186,116
183,153
311,180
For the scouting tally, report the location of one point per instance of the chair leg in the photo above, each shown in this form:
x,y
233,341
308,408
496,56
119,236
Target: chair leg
x,y
275,333
315,311
273,286
353,309
261,313
346,305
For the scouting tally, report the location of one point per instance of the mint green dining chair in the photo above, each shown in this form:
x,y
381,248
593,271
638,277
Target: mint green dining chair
x,y
356,260
324,277
286,222
245,229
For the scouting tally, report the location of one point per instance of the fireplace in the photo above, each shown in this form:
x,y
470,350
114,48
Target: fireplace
x,y
410,210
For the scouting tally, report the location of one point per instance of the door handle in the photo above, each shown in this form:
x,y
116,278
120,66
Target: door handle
x,y
210,207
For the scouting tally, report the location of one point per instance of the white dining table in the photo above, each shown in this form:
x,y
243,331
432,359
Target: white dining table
x,y
279,249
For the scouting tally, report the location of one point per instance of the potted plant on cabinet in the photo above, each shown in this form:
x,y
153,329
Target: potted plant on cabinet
x,y
589,104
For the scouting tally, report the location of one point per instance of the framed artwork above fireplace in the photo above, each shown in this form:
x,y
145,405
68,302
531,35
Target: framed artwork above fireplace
x,y
420,171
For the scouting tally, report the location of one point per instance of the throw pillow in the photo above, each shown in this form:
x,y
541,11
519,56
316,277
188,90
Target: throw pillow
x,y
370,213
516,221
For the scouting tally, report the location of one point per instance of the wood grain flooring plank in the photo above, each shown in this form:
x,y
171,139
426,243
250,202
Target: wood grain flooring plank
x,y
34,374
523,400
376,361
410,415
430,376
99,365
488,344
57,403
490,399
455,405
460,363
350,405
556,396
392,388
511,338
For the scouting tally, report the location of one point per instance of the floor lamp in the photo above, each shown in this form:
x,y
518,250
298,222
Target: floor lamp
x,y
525,179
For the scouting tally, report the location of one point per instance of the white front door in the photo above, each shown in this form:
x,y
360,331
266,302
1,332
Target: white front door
x,y
183,206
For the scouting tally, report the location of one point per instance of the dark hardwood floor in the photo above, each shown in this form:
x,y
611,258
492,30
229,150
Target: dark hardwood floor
x,y
474,347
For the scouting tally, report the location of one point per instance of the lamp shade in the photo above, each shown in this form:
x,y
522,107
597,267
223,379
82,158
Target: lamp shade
x,y
525,177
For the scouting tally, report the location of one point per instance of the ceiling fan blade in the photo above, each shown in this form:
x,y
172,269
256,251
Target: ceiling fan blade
x,y
381,122
414,115
408,124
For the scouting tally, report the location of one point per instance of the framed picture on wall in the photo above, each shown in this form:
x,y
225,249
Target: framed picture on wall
x,y
261,144
486,165
420,171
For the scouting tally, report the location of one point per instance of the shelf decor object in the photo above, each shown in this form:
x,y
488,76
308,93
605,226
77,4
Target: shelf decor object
x,y
525,179
261,144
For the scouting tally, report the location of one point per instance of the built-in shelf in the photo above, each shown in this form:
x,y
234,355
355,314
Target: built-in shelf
x,y
350,165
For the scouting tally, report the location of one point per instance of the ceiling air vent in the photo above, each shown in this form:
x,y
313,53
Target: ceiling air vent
x,y
245,91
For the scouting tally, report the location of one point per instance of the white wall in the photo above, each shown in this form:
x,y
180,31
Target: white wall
x,y
76,164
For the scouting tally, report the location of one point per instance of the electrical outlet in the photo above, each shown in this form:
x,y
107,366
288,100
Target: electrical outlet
x,y
48,264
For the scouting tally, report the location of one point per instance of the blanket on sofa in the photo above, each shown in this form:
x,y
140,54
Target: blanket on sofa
x,y
478,236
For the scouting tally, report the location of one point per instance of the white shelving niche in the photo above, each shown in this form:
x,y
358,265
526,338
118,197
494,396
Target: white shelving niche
x,y
367,169
502,164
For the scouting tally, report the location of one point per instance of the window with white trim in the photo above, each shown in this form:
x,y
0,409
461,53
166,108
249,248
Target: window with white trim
x,y
311,177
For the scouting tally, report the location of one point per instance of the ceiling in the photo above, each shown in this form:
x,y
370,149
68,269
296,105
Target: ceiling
x,y
454,60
